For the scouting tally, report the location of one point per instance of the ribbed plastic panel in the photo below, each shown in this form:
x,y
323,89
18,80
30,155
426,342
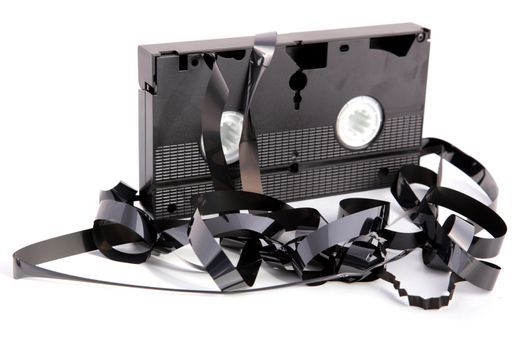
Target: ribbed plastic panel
x,y
307,183
183,161
179,161
320,143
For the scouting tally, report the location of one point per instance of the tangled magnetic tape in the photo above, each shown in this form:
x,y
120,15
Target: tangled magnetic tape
x,y
229,126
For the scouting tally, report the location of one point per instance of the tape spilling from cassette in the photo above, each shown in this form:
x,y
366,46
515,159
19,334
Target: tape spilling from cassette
x,y
349,249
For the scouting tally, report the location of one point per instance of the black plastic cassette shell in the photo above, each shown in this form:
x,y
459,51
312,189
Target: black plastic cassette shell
x,y
173,80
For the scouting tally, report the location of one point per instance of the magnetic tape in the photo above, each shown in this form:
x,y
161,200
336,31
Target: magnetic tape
x,y
232,128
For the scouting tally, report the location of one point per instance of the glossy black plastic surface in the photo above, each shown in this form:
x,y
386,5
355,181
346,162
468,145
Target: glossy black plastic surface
x,y
302,81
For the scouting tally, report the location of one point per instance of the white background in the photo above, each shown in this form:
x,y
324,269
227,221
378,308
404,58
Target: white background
x,y
68,111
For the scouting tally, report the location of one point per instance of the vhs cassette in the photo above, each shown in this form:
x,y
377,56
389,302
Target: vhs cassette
x,y
336,111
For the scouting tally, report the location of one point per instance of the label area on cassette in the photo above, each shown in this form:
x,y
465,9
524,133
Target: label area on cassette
x,y
336,111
